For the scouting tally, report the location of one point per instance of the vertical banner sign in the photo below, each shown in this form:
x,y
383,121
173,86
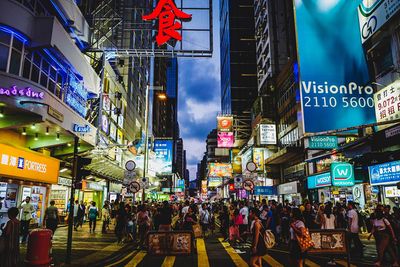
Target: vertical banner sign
x,y
267,134
258,158
225,137
387,102
373,14
333,71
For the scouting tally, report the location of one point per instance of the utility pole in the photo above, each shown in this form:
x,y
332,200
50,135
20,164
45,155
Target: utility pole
x,y
71,200
146,141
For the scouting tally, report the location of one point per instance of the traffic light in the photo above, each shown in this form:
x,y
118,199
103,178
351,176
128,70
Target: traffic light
x,y
81,173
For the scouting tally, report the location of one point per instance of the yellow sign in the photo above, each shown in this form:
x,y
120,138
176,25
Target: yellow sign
x,y
32,166
258,158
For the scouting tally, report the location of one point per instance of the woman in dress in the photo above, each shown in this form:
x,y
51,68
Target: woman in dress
x,y
258,248
296,228
11,235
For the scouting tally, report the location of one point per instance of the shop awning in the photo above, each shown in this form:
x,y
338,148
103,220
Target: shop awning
x,y
283,155
104,168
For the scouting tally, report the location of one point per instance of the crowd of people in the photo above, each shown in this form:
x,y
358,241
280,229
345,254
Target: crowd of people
x,y
238,222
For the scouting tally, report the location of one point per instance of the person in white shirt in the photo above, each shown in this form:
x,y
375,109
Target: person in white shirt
x,y
185,208
244,211
205,219
329,220
26,216
353,228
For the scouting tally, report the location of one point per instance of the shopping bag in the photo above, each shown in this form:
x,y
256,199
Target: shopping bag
x,y
305,241
197,230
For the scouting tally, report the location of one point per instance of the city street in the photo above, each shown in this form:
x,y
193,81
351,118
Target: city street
x,y
102,250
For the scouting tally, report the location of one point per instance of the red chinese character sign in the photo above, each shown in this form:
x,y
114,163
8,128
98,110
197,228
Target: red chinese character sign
x,y
167,13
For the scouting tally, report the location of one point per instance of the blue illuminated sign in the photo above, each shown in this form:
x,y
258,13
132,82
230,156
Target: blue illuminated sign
x,y
319,180
163,150
333,71
76,96
386,173
81,128
265,190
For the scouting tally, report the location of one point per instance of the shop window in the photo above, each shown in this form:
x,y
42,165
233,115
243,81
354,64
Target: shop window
x,y
5,38
35,73
15,62
3,57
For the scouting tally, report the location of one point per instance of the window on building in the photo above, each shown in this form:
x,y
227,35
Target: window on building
x,y
382,59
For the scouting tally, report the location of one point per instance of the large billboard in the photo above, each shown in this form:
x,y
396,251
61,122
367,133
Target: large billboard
x,y
225,139
387,103
220,170
163,159
334,81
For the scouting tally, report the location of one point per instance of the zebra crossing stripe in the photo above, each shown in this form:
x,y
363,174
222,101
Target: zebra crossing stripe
x,y
239,262
202,257
137,259
271,261
122,260
168,261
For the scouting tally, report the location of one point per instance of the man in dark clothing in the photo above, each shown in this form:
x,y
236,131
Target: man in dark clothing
x,y
165,218
309,217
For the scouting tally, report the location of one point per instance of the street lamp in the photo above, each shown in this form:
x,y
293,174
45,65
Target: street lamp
x,y
146,131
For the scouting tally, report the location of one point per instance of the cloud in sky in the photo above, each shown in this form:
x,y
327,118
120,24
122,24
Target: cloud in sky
x,y
199,99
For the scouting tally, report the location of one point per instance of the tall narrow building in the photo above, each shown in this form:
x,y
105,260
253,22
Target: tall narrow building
x,y
238,59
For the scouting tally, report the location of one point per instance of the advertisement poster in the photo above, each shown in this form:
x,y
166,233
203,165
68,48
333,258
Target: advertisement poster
x,y
225,124
163,149
236,161
373,14
214,181
333,71
267,134
220,170
387,102
258,158
225,139
246,157
328,241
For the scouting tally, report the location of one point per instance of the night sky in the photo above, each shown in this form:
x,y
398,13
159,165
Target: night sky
x,y
199,99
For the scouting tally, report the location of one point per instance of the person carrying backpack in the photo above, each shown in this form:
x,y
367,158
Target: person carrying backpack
x,y
51,217
93,213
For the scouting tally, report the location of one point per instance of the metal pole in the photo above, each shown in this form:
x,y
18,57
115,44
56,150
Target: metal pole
x,y
146,142
71,201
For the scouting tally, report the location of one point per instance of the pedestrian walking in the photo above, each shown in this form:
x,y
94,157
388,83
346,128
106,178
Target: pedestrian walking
x,y
297,227
81,214
10,254
105,215
76,215
384,236
165,218
224,220
329,221
51,217
353,228
258,247
26,216
189,219
143,222
93,213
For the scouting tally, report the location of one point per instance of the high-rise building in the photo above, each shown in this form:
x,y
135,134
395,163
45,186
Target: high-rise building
x,y
238,59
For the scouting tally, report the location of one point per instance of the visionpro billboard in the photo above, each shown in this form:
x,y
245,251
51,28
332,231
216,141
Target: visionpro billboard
x,y
334,81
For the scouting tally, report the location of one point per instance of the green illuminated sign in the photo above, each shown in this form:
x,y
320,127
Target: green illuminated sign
x,y
342,174
323,142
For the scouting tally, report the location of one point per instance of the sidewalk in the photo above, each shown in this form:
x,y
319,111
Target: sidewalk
x,y
86,247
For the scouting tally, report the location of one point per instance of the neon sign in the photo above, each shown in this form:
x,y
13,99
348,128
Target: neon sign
x,y
27,92
166,12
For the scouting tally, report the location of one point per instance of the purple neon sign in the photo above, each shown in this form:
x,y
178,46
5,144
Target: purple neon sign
x,y
27,92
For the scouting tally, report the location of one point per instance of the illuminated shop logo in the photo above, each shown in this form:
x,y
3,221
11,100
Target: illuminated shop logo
x,y
21,163
22,92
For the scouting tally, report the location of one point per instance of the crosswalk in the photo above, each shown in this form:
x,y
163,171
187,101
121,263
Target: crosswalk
x,y
214,252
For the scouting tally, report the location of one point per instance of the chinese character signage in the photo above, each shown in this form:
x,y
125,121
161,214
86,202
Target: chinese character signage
x,y
169,28
386,173
342,174
387,103
319,180
265,190
163,149
333,72
28,165
323,142
267,134
225,124
373,14
220,170
225,139
258,158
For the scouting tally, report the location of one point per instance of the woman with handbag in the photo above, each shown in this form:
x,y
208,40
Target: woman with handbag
x,y
384,236
11,240
258,248
296,229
